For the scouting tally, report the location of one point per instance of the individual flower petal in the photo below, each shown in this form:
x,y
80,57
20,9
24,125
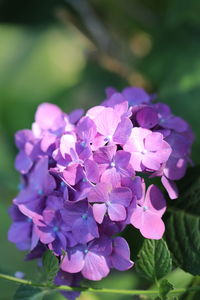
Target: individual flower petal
x,y
96,266
116,212
23,163
99,193
170,187
136,95
120,256
73,262
99,211
123,131
147,117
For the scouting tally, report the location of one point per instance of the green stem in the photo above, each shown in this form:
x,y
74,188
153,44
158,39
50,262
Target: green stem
x,y
93,290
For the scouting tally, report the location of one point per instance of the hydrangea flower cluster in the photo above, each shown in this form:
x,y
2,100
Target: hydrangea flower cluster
x,y
82,181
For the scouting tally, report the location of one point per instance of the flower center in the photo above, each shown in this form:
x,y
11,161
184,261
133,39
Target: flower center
x,y
145,208
112,164
40,192
83,144
55,228
144,151
107,138
85,216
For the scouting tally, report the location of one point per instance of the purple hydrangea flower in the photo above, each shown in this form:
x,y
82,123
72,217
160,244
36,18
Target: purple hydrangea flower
x,y
113,201
148,212
79,218
92,259
114,164
79,182
148,149
52,230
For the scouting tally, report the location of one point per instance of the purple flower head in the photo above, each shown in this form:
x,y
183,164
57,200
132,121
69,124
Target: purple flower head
x,y
148,149
92,259
78,216
79,182
148,212
109,200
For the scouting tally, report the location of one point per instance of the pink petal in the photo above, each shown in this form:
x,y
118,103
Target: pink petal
x,y
153,141
47,114
94,111
170,187
92,170
136,140
74,262
99,211
95,267
67,142
111,176
153,226
106,122
123,131
99,193
116,212
136,218
104,155
136,161
151,161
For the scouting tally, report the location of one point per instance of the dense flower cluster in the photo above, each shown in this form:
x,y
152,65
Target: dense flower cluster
x,y
82,181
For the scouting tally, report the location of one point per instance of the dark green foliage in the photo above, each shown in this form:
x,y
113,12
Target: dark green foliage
x,y
164,288
26,292
183,226
154,261
50,265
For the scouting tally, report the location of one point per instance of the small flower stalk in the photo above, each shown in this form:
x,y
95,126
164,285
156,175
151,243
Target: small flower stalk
x,y
82,181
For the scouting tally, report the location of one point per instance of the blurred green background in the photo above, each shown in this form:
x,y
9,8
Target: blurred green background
x,y
67,53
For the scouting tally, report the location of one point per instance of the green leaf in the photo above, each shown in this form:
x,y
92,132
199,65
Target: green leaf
x,y
183,226
51,265
26,292
154,260
164,288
